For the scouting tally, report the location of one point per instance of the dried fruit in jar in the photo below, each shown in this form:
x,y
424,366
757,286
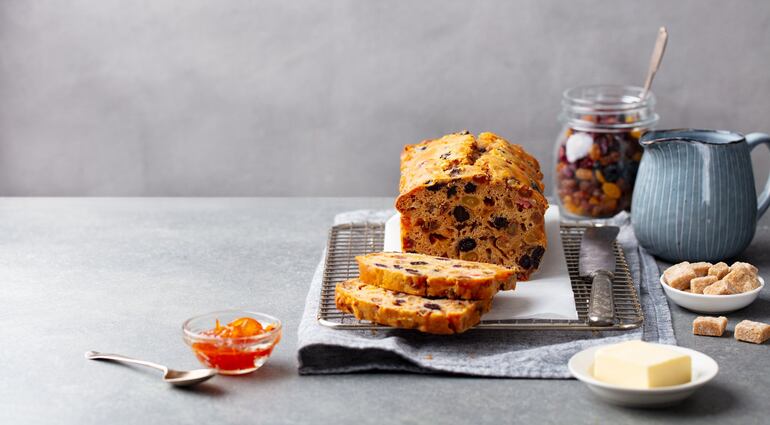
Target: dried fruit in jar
x,y
596,179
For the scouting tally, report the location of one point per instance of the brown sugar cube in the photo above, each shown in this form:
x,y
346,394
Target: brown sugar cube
x,y
749,331
721,287
746,266
719,270
701,269
679,275
709,326
698,284
741,280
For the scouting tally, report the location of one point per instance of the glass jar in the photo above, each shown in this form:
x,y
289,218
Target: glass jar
x,y
598,150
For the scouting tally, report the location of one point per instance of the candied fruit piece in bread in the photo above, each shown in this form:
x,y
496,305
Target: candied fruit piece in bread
x,y
399,310
473,198
430,276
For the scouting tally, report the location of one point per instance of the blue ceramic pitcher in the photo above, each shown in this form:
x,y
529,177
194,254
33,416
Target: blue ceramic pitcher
x,y
694,198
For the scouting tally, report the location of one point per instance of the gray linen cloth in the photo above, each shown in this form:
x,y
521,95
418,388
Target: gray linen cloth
x,y
491,353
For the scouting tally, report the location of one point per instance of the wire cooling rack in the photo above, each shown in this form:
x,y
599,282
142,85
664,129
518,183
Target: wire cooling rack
x,y
348,240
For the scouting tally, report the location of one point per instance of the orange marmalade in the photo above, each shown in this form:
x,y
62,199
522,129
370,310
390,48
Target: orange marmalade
x,y
231,349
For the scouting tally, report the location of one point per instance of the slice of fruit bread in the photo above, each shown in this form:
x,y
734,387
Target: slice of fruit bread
x,y
399,310
430,276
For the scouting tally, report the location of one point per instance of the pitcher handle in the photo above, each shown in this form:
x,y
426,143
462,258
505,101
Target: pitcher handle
x,y
754,140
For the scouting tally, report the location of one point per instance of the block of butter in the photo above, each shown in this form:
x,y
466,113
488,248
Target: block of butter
x,y
638,364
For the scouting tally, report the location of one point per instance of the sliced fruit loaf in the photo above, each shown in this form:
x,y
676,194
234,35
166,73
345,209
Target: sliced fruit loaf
x,y
430,276
399,310
473,198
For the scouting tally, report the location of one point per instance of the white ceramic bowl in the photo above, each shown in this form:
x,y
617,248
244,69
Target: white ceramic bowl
x,y
712,303
704,369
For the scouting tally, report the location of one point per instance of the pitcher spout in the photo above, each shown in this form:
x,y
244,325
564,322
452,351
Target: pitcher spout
x,y
652,139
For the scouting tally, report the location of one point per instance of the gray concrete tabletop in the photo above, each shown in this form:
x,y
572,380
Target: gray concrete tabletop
x,y
122,274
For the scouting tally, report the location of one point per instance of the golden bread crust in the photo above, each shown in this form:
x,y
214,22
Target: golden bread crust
x,y
399,310
430,276
473,198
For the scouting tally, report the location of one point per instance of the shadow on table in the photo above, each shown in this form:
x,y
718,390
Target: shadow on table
x,y
711,400
758,311
208,388
271,371
274,371
216,387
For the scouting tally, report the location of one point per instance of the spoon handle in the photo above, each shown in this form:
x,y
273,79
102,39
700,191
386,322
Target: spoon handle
x,y
95,355
657,57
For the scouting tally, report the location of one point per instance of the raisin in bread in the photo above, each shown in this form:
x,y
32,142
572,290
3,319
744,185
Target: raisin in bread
x,y
430,276
378,305
477,199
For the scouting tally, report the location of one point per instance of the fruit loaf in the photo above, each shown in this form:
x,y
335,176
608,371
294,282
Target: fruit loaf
x,y
430,276
435,316
476,199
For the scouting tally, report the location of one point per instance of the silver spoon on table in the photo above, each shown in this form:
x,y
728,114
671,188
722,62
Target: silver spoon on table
x,y
180,378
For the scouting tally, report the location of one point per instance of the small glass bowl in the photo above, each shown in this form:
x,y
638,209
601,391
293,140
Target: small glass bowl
x,y
231,356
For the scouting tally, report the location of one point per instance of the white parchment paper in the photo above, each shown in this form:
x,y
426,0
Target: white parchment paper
x,y
548,295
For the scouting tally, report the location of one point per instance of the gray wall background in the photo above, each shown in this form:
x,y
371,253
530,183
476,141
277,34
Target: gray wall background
x,y
300,97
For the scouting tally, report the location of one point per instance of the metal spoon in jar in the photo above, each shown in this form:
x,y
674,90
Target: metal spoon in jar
x,y
179,378
657,57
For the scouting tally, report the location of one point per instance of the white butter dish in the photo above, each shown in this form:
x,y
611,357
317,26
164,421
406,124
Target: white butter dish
x,y
704,369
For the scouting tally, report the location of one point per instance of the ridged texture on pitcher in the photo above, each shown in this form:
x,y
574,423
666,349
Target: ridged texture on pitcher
x,y
694,201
